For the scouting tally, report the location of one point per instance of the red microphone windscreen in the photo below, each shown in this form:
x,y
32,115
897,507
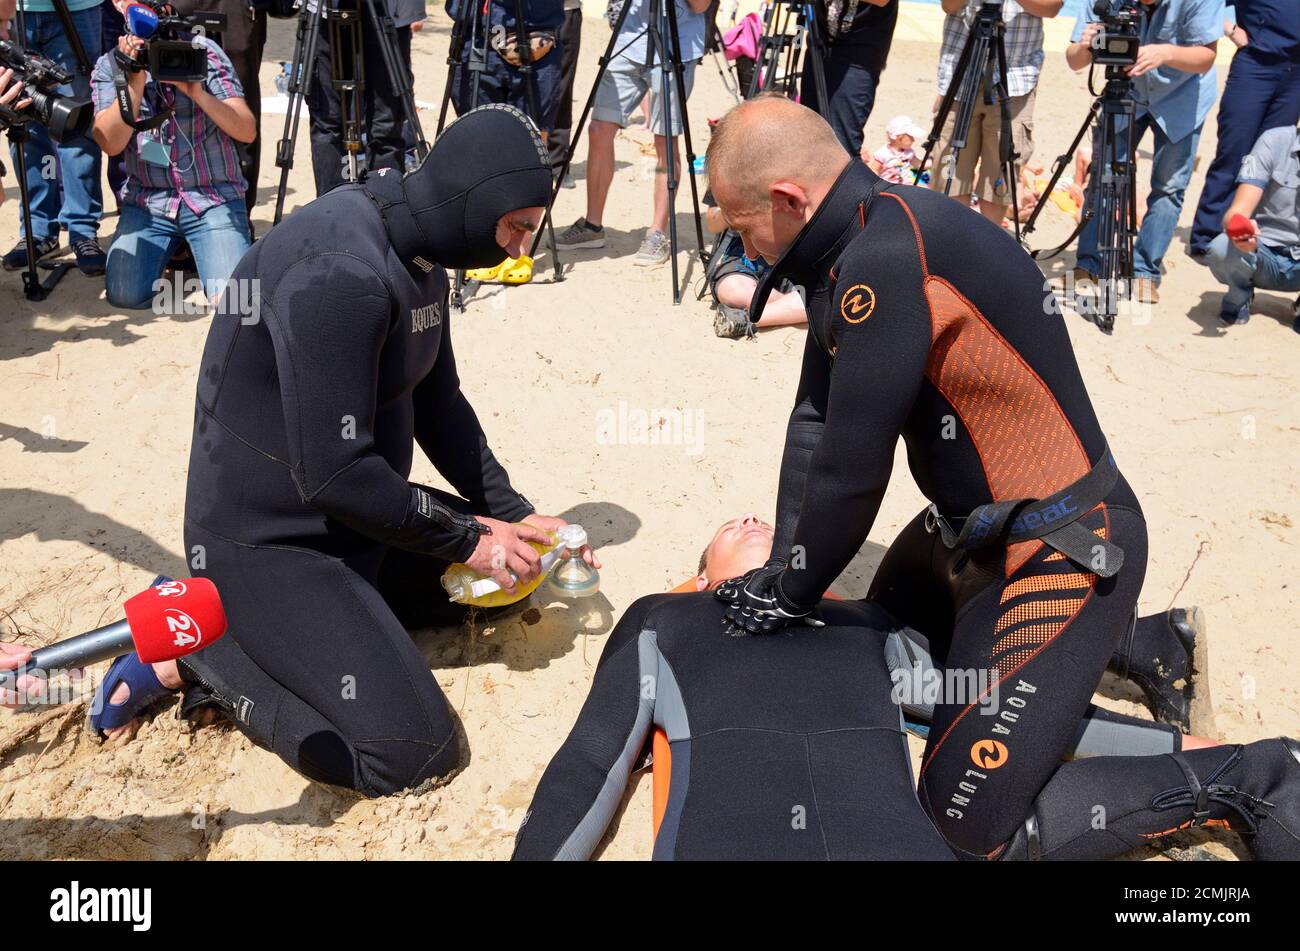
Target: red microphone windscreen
x,y
175,618
1239,228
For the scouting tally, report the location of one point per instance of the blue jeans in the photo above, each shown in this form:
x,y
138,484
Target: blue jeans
x,y
1268,269
1171,170
75,162
145,242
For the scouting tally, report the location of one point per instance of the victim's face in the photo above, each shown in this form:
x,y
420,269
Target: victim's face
x,y
739,545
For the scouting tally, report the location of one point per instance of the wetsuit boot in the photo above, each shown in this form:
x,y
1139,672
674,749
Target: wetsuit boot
x,y
1167,656
1103,807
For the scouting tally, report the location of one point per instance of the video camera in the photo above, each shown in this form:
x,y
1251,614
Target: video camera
x,y
170,58
63,116
1117,43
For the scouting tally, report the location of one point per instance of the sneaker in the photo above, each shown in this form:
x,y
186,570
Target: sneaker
x,y
581,234
16,260
732,323
91,259
1232,316
653,251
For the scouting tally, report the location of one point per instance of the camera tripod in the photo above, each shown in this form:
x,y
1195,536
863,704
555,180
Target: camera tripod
x,y
781,53
33,287
347,74
472,31
981,70
663,46
1112,192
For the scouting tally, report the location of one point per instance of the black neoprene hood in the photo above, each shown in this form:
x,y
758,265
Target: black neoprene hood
x,y
489,162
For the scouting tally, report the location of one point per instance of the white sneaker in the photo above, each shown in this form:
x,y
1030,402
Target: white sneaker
x,y
654,249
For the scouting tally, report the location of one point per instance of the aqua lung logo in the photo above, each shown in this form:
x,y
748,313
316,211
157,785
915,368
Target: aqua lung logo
x,y
991,753
426,317
988,754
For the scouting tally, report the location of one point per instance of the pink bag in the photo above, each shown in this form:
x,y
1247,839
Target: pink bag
x,y
742,39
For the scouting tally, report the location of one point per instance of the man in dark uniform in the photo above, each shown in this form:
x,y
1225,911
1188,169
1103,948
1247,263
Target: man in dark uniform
x,y
1262,93
299,506
926,322
858,35
537,93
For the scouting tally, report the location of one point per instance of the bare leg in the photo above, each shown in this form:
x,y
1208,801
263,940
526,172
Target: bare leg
x,y
782,310
600,167
993,211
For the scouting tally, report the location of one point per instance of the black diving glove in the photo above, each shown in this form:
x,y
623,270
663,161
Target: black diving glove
x,y
755,604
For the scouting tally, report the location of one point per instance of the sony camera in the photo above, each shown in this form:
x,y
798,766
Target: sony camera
x,y
63,116
170,56
1117,43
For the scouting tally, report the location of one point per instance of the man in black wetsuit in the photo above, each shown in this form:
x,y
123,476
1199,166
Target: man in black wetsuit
x,y
790,747
926,322
299,506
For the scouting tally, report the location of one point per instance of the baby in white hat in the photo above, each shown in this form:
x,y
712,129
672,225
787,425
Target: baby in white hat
x,y
891,161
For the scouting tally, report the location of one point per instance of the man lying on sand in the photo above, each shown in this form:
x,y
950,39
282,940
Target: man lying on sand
x,y
790,747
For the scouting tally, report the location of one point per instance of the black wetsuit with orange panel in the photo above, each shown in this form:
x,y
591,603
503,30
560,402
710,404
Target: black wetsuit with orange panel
x,y
928,322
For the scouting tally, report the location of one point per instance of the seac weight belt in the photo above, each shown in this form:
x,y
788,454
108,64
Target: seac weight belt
x,y
1053,520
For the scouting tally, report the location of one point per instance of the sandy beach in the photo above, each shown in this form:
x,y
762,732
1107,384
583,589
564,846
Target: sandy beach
x,y
621,412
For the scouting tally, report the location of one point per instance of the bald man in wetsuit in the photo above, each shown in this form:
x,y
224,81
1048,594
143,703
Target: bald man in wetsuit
x,y
927,322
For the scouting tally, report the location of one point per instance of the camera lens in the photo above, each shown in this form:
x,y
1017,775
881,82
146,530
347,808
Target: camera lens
x,y
64,117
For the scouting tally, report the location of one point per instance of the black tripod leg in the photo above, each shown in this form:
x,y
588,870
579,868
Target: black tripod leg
x,y
956,82
1007,145
74,38
525,46
817,49
398,76
345,31
454,50
301,71
679,72
33,287
576,135
1062,163
659,51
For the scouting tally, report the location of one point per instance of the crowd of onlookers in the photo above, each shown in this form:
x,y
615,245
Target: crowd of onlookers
x,y
183,167
1252,181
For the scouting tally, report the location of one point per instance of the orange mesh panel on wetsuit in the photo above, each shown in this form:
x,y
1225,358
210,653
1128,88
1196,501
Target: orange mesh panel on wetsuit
x,y
1027,447
1058,595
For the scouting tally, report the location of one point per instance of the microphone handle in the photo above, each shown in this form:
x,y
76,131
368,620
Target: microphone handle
x,y
111,640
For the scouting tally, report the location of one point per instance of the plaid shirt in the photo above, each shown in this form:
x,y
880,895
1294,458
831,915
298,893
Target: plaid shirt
x,y
204,170
1024,46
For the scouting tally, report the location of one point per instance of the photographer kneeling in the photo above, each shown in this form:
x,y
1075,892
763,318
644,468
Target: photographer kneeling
x,y
184,181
